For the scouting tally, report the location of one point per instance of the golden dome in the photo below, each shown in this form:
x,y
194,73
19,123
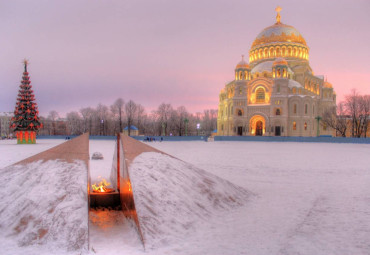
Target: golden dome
x,y
328,85
242,64
280,62
278,40
279,33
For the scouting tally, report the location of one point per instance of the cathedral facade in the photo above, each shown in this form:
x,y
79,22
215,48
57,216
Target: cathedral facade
x,y
277,93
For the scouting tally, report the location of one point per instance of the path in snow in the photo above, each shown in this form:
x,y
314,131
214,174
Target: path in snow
x,y
101,167
110,232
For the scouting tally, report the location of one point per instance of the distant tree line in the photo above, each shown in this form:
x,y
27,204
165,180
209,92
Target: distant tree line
x,y
351,117
104,120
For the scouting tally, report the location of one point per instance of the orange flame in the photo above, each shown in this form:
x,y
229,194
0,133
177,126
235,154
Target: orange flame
x,y
102,186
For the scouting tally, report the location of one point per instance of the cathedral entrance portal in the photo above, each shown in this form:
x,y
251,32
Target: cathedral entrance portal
x,y
240,130
277,131
257,125
259,128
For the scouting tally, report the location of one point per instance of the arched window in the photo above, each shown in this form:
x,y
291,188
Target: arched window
x,y
278,112
295,108
294,125
294,90
240,112
305,108
305,126
260,95
240,75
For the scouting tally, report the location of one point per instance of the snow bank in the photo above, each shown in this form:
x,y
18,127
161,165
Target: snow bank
x,y
44,206
173,197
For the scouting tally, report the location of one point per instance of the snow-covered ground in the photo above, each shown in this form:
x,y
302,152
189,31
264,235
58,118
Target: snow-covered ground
x,y
11,152
306,198
44,208
311,198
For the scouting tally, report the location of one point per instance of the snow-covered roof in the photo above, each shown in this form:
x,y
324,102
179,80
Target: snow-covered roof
x,y
265,66
293,83
132,127
261,67
6,114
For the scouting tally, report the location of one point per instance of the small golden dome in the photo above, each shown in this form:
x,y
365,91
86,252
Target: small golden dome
x,y
242,64
280,62
328,85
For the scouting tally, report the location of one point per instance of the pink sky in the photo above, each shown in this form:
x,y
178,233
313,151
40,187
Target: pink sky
x,y
181,52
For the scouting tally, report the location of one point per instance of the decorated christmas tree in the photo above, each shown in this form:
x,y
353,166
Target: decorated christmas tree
x,y
25,121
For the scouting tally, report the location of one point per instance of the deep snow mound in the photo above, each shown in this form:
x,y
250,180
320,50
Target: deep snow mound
x,y
44,205
173,197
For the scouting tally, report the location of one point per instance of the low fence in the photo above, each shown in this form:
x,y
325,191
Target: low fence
x,y
320,139
67,137
170,138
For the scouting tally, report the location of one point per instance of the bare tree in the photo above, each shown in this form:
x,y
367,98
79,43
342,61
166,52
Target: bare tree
x,y
87,116
101,119
163,114
140,115
336,122
352,104
118,111
178,118
51,122
74,123
365,113
130,110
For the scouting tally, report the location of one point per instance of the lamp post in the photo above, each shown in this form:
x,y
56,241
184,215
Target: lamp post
x,y
163,129
198,127
318,118
101,126
186,126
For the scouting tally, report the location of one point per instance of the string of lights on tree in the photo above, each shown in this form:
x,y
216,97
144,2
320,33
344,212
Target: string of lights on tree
x,y
25,121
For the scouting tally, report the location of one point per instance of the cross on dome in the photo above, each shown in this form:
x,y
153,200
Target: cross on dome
x,y
278,17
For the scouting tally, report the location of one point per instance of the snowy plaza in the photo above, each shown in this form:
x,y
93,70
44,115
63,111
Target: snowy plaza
x,y
262,198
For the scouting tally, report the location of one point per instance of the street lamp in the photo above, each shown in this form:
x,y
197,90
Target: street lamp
x,y
198,127
163,129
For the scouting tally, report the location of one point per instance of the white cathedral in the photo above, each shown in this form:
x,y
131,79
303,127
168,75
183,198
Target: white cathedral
x,y
277,93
